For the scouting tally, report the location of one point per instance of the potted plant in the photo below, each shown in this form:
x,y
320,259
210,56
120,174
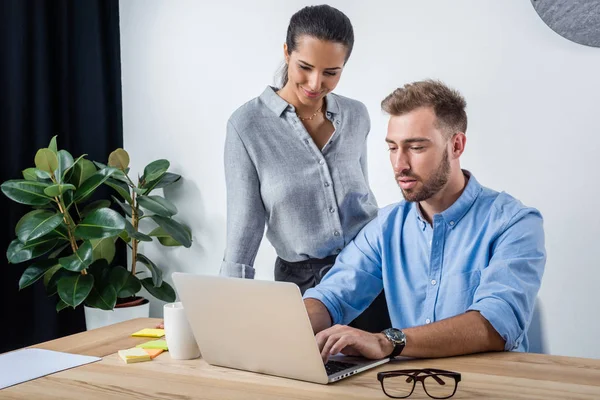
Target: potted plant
x,y
70,239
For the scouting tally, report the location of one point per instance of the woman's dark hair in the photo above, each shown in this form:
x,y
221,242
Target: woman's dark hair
x,y
321,22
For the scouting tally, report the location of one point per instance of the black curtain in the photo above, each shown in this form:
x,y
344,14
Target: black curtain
x,y
60,74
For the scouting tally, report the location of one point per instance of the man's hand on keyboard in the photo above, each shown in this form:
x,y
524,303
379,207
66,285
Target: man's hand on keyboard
x,y
352,342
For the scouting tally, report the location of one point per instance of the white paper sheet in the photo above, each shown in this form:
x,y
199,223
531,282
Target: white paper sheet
x,y
27,364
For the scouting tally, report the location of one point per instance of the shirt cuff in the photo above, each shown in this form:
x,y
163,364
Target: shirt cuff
x,y
235,270
501,317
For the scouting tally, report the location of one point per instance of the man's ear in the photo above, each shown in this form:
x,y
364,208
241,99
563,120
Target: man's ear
x,y
459,141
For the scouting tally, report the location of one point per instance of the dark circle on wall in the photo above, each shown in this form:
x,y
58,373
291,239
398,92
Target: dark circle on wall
x,y
576,20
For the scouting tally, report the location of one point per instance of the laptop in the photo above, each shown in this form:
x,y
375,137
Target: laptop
x,y
259,326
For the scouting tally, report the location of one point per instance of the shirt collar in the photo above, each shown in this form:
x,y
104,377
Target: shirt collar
x,y
278,105
453,214
456,211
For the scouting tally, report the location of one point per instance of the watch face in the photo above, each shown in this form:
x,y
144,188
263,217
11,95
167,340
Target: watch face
x,y
396,335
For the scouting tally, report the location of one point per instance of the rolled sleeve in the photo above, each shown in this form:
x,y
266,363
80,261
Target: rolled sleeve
x,y
245,208
355,279
236,270
510,283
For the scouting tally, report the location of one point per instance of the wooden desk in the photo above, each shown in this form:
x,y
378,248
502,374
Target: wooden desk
x,y
484,376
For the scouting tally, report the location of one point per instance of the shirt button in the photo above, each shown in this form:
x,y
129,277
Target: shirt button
x,y
321,162
337,122
306,141
336,233
451,222
427,321
430,243
433,282
326,184
331,210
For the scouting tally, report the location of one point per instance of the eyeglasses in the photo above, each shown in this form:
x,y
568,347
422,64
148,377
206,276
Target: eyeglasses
x,y
437,383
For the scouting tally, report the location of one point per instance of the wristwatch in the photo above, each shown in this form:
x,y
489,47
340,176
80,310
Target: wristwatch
x,y
398,339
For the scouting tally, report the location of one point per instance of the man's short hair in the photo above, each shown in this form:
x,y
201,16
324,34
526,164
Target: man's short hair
x,y
448,104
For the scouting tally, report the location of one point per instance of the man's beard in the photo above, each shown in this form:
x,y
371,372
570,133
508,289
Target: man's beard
x,y
433,185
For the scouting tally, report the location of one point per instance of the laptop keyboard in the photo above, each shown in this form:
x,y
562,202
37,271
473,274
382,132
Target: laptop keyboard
x,y
333,367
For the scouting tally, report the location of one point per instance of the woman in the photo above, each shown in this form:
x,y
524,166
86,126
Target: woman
x,y
295,159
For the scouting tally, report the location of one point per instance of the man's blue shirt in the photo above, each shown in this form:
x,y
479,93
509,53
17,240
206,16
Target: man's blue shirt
x,y
484,253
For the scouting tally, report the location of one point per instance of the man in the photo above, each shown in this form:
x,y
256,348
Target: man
x,y
461,264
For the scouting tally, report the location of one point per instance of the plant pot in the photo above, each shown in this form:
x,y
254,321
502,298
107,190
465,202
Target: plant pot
x,y
96,318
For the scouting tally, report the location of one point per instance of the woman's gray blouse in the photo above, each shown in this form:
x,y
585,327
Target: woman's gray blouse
x,y
313,201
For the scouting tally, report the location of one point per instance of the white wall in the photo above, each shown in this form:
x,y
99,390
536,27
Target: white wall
x,y
533,131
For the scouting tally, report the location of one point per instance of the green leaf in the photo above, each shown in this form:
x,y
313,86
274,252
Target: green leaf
x,y
124,282
82,171
52,146
120,176
175,229
68,173
58,189
88,187
73,290
29,174
61,305
118,277
46,160
104,299
165,292
95,205
126,208
156,272
125,237
155,169
18,252
35,271
136,234
158,205
103,249
65,162
43,176
50,272
100,270
79,260
121,188
164,238
119,159
36,224
163,181
26,192
100,223
55,277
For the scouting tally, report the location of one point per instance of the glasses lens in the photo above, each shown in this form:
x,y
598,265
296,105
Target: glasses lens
x,y
439,386
399,385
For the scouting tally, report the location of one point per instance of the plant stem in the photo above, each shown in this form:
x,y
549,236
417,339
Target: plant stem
x,y
70,226
135,223
77,209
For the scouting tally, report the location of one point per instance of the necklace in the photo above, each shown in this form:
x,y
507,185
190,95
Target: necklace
x,y
311,117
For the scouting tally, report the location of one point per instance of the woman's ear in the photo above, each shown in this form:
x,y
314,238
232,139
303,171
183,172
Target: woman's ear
x,y
286,55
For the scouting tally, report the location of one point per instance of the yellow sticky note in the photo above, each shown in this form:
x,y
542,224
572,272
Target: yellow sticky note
x,y
154,344
134,355
153,352
155,333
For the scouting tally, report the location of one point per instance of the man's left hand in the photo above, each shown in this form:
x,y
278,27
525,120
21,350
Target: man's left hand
x,y
353,342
